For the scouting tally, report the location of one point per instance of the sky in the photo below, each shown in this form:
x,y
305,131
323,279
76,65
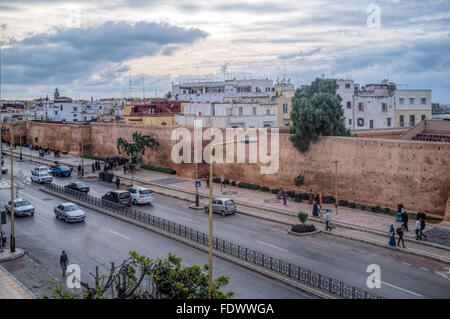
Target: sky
x,y
97,48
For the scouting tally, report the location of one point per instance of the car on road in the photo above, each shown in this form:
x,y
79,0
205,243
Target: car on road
x,y
22,207
4,170
70,212
78,186
223,206
140,195
62,171
41,169
118,197
41,178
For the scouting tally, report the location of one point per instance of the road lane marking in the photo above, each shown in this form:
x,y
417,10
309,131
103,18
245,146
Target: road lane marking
x,y
270,245
404,263
399,288
112,231
423,268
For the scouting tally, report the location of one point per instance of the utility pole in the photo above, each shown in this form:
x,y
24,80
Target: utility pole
x,y
336,203
82,152
13,238
20,140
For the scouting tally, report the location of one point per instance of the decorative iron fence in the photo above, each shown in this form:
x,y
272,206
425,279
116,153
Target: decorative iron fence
x,y
277,265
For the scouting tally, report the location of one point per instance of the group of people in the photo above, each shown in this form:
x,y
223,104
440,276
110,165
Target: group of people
x,y
402,217
96,166
111,165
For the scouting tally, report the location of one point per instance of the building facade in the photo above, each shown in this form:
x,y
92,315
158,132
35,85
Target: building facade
x,y
412,107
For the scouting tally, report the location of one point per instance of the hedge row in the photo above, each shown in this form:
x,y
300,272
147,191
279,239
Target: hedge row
x,y
166,170
94,157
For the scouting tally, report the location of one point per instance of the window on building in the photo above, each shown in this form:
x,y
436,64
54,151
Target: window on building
x,y
75,108
402,121
384,107
268,111
286,124
347,85
401,101
412,120
56,112
254,111
371,123
285,108
61,107
389,121
423,100
349,105
360,107
423,117
411,100
337,86
240,111
349,121
360,121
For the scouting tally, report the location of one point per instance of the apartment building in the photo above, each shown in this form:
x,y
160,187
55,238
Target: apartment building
x,y
412,107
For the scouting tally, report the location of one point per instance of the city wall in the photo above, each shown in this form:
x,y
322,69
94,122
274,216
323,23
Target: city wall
x,y
374,172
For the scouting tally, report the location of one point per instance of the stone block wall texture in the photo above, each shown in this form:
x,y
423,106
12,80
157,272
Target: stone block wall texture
x,y
373,172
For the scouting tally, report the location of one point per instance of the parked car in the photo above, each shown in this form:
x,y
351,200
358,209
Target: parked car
x,y
4,170
140,195
70,212
41,178
118,197
224,206
62,171
22,207
122,160
41,169
78,186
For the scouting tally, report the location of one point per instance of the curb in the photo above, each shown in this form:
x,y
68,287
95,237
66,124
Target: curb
x,y
18,282
17,254
304,234
265,272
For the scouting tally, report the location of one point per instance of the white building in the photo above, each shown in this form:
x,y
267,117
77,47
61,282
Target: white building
x,y
215,92
245,115
369,107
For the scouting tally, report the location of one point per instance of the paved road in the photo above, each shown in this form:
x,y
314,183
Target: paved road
x,y
102,239
402,275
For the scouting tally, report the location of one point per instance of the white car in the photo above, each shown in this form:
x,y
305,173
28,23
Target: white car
x,y
21,207
41,178
140,195
70,212
41,169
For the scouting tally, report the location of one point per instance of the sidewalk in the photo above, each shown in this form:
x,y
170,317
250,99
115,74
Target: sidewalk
x,y
350,223
10,287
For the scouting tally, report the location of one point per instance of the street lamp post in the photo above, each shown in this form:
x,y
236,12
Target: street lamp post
x,y
210,234
336,203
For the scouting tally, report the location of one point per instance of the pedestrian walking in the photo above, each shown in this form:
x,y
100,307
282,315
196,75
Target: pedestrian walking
x,y
284,198
404,219
400,232
311,197
223,180
320,199
327,221
3,161
79,169
124,169
118,182
207,183
422,227
315,209
93,168
392,238
63,261
418,225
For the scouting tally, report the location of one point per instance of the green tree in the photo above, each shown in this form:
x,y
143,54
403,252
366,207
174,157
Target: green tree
x,y
299,180
316,111
135,148
126,281
168,95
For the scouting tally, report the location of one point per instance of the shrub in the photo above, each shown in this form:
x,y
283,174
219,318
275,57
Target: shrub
x,y
219,179
328,199
166,170
249,186
304,196
352,205
363,207
373,209
343,202
387,211
275,190
299,180
421,215
93,157
291,194
303,228
302,217
265,189
65,153
233,183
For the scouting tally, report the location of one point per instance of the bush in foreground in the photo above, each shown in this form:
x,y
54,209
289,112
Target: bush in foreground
x,y
303,228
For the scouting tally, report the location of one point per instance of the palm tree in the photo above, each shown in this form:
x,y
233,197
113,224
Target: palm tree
x,y
135,149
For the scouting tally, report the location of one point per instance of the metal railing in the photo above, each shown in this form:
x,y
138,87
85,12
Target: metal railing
x,y
297,273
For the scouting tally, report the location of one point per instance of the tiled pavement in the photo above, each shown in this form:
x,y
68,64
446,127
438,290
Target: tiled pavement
x,y
11,288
